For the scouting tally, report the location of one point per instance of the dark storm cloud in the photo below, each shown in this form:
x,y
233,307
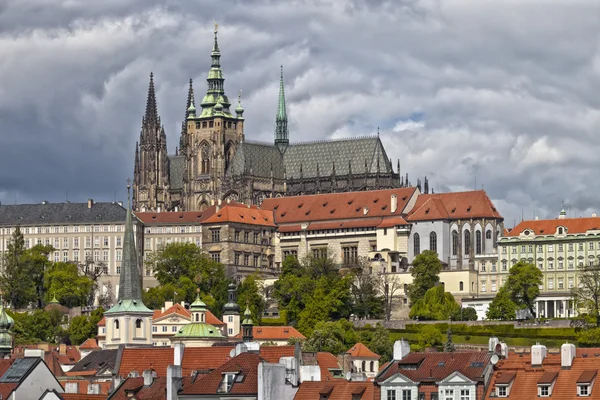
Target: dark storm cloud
x,y
505,93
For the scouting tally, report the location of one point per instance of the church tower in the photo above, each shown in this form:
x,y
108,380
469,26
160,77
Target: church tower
x,y
231,312
6,340
210,140
282,139
151,169
129,322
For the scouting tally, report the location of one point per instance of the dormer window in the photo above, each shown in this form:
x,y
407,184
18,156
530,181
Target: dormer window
x,y
504,383
585,383
583,390
560,230
546,384
227,382
544,390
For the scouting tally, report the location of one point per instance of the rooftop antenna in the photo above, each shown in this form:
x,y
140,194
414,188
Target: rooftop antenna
x,y
67,196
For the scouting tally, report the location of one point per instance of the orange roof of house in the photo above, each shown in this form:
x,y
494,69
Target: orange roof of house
x,y
360,350
135,388
178,309
266,333
454,205
336,390
272,354
338,206
90,344
327,361
550,226
525,379
79,396
241,215
183,217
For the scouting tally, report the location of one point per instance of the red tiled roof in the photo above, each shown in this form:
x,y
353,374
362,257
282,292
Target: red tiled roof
x,y
266,333
177,309
90,344
437,366
188,217
360,350
338,206
135,386
214,321
6,389
77,396
338,390
327,361
196,358
241,215
455,205
245,364
273,354
550,226
526,379
391,222
505,378
5,365
587,376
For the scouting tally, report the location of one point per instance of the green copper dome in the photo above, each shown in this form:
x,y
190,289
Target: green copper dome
x,y
199,330
247,317
6,323
198,305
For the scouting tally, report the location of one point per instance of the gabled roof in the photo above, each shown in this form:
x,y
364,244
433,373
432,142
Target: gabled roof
x,y
177,309
360,350
337,390
428,367
453,205
61,213
241,215
549,226
90,344
261,158
20,369
134,387
338,206
245,364
327,361
93,362
266,333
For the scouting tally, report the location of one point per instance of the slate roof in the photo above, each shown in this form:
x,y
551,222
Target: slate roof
x,y
176,170
61,213
428,367
549,226
93,362
355,151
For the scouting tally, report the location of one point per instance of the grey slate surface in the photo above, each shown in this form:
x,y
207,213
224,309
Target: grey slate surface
x,y
96,360
176,169
19,370
354,151
60,213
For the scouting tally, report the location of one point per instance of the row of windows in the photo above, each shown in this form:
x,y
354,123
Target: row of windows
x,y
210,124
447,394
57,243
560,247
560,284
161,241
327,231
165,328
173,229
64,229
256,259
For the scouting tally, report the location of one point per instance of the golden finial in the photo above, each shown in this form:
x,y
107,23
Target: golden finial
x,y
216,26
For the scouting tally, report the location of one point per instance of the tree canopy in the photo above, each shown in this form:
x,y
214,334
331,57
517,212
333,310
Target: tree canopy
x,y
426,274
64,281
367,299
502,307
249,294
523,285
587,293
435,305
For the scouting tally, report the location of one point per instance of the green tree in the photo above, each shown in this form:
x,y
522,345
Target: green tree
x,y
426,274
502,307
248,293
16,281
38,326
381,344
587,293
367,301
36,259
182,290
334,337
523,285
429,336
589,338
465,314
64,281
84,327
435,305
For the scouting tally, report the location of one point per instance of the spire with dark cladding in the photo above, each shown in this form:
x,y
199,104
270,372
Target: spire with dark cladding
x,y
130,282
151,115
281,120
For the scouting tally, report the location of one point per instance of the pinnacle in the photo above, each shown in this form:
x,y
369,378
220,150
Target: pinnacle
x,y
151,115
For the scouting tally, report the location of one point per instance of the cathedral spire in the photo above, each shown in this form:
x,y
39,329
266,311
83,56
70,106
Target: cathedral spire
x,y
281,120
190,97
215,100
151,115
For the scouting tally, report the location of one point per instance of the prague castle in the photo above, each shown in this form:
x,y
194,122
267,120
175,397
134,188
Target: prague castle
x,y
214,162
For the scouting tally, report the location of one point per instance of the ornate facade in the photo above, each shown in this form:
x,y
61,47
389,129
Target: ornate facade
x,y
214,162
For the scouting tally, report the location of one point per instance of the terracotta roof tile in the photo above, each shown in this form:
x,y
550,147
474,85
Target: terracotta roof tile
x,y
274,333
246,364
360,350
505,378
587,376
338,206
6,389
134,387
77,396
272,354
90,344
550,226
241,215
337,390
455,205
437,366
5,365
327,361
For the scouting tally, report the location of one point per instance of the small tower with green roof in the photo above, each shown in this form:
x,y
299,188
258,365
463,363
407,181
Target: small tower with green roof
x,y
231,312
198,333
6,339
129,322
247,326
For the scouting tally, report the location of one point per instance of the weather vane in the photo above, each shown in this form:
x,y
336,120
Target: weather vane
x,y
240,96
216,25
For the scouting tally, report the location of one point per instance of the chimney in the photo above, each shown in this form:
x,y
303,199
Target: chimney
x,y
567,354
62,349
90,203
394,205
148,377
538,353
492,343
174,381
178,349
537,218
594,214
39,353
168,304
401,349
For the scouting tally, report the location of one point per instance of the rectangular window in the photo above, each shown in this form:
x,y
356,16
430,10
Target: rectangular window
x,y
465,394
216,256
544,391
119,238
237,258
449,394
246,236
105,255
570,283
65,243
118,269
96,256
174,328
550,248
155,328
256,237
571,265
56,256
76,255
198,241
570,246
483,267
215,235
540,265
591,246
514,249
550,264
560,284
164,328
523,249
65,256
560,264
493,285
483,288
391,394
118,255
504,266
246,259
493,267
540,248
88,242
287,253
501,391
76,242
580,246
105,241
350,254
406,394
550,284
237,236
230,318
96,241
256,258
56,243
503,250
46,242
530,248
584,390
560,247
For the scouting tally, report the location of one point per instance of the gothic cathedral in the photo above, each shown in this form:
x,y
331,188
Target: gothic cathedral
x,y
215,163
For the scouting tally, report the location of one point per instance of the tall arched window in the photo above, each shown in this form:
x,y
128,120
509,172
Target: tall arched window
x,y
467,243
205,163
364,366
116,324
477,242
488,234
433,241
461,286
454,243
372,366
417,244
138,323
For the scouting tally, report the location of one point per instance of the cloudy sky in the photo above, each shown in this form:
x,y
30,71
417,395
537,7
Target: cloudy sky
x,y
500,94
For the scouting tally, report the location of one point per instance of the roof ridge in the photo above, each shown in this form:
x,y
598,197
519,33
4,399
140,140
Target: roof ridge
x,y
334,140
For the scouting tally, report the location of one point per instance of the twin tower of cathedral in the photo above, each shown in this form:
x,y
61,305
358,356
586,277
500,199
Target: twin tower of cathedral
x,y
215,163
